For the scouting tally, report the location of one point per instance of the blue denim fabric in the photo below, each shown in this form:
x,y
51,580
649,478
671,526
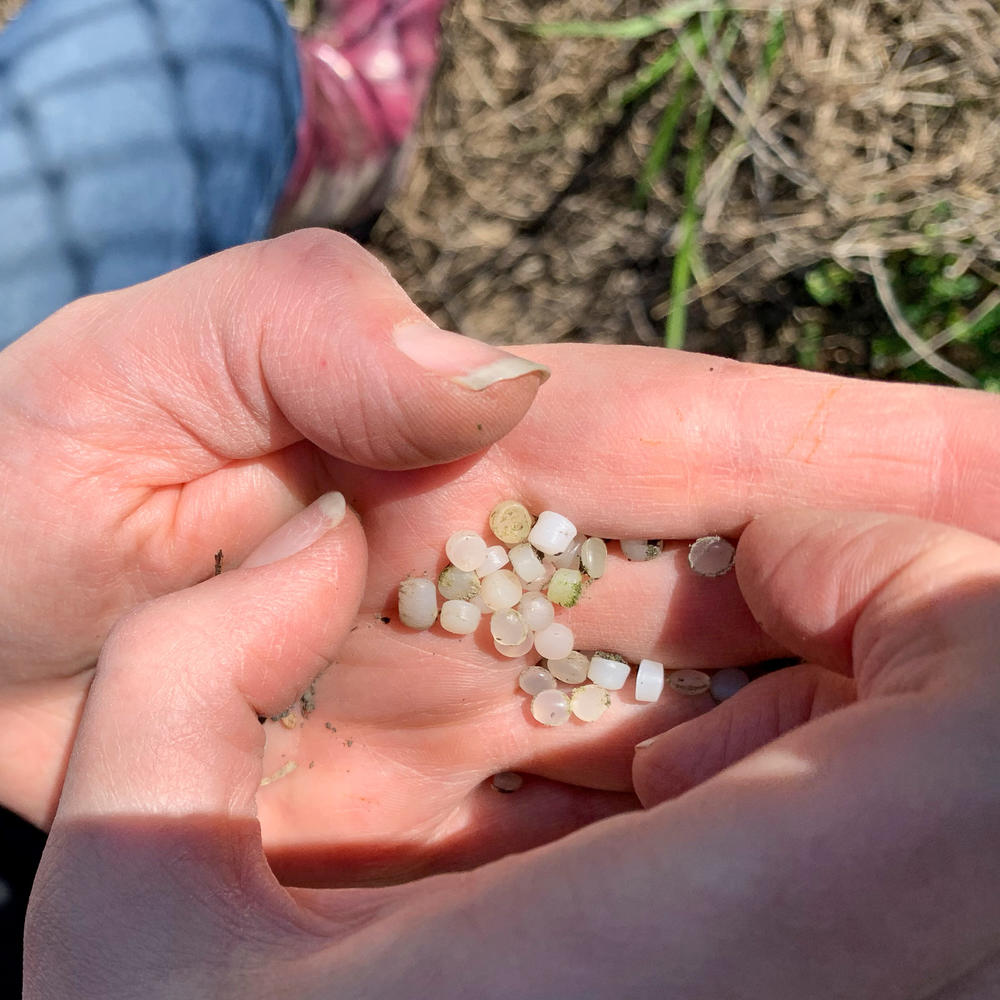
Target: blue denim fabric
x,y
136,136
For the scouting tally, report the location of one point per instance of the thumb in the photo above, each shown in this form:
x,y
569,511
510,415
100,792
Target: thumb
x,y
253,349
877,605
156,827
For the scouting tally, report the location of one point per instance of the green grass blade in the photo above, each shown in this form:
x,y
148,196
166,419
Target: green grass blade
x,y
630,27
648,78
666,134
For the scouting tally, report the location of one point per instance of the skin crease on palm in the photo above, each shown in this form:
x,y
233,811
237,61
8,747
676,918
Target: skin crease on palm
x,y
136,469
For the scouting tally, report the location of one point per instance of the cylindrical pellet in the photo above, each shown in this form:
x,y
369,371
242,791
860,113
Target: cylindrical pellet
x,y
496,558
589,703
648,680
565,587
501,589
689,681
465,549
507,627
531,680
594,557
609,673
417,602
510,522
552,533
725,683
570,559
554,642
550,708
456,584
537,611
526,563
641,549
460,617
570,669
711,555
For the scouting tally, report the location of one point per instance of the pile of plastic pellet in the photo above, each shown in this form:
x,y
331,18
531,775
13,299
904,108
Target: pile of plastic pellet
x,y
550,564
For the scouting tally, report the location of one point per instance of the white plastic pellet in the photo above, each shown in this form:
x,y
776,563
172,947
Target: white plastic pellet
x,y
507,627
609,673
537,611
417,602
496,558
552,533
725,683
689,681
456,584
501,589
465,549
570,669
532,680
521,649
526,563
565,587
570,559
640,549
510,522
589,703
648,680
554,641
711,556
594,557
460,617
550,708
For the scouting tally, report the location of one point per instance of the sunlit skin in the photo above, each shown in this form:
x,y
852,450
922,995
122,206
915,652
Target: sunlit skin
x,y
143,431
146,430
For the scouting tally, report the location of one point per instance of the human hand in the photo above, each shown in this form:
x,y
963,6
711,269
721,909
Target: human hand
x,y
144,430
699,458
853,855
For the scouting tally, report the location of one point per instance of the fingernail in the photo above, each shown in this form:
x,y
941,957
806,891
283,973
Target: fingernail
x,y
645,743
466,361
300,531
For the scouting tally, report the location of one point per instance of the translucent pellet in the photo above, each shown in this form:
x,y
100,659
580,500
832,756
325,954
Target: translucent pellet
x,y
510,522
532,680
508,628
554,641
417,602
550,708
507,781
590,702
565,587
570,669
460,617
501,589
526,564
552,533
711,556
725,683
521,649
594,557
641,549
537,611
648,680
456,584
609,672
570,559
689,681
496,558
465,549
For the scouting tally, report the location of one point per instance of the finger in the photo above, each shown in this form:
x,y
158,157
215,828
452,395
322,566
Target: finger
x,y
680,445
901,604
170,727
688,754
877,596
246,352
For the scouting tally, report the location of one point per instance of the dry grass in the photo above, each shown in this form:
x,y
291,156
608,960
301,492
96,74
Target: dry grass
x,y
879,131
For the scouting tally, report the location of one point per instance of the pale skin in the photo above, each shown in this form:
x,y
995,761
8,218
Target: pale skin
x,y
130,485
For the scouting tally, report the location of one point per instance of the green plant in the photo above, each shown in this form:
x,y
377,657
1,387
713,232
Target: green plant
x,y
699,36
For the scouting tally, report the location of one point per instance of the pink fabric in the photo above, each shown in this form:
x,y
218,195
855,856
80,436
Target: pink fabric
x,y
365,73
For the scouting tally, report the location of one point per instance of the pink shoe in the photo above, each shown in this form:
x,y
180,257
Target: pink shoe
x,y
365,70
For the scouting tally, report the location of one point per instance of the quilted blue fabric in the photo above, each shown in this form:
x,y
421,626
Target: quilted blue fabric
x,y
136,136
